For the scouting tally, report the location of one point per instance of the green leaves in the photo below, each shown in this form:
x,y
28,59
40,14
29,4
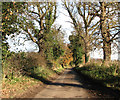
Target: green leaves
x,y
77,49
53,44
57,51
102,74
9,23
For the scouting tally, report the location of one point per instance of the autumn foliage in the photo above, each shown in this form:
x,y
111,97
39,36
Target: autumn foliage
x,y
67,58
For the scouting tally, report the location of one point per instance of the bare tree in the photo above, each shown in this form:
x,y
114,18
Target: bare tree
x,y
79,12
109,27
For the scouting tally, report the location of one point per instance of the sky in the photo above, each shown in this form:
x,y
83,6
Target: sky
x,y
63,20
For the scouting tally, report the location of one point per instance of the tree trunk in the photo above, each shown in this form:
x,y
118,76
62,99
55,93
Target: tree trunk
x,y
106,51
87,54
87,57
105,35
40,47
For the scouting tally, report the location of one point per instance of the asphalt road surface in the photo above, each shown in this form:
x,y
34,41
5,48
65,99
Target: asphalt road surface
x,y
68,85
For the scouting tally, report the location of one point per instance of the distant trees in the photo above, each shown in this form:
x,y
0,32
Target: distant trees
x,y
53,45
83,24
67,58
77,49
36,20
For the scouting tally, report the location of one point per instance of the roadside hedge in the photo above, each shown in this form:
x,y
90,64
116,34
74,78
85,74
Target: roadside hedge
x,y
107,76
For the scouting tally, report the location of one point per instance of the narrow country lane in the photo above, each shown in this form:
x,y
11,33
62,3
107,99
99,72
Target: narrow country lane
x,y
68,85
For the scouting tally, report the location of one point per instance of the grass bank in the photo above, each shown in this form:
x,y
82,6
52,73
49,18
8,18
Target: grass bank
x,y
22,71
107,76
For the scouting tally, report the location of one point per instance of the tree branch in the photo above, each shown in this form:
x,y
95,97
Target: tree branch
x,y
114,36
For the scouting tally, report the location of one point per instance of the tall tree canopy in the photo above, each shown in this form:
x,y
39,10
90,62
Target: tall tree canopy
x,y
100,24
35,20
83,23
42,13
76,48
108,24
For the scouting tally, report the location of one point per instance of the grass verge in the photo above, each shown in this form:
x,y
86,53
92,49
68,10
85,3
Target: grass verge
x,y
107,76
24,71
18,84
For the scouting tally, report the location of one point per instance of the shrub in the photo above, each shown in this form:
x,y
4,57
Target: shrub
x,y
109,76
18,63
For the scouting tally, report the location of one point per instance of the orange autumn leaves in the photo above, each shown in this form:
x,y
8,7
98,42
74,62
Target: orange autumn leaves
x,y
67,58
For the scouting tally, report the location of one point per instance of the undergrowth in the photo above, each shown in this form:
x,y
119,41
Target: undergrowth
x,y
24,70
108,76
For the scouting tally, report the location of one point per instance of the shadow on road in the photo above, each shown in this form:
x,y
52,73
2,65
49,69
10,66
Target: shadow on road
x,y
101,91
66,84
